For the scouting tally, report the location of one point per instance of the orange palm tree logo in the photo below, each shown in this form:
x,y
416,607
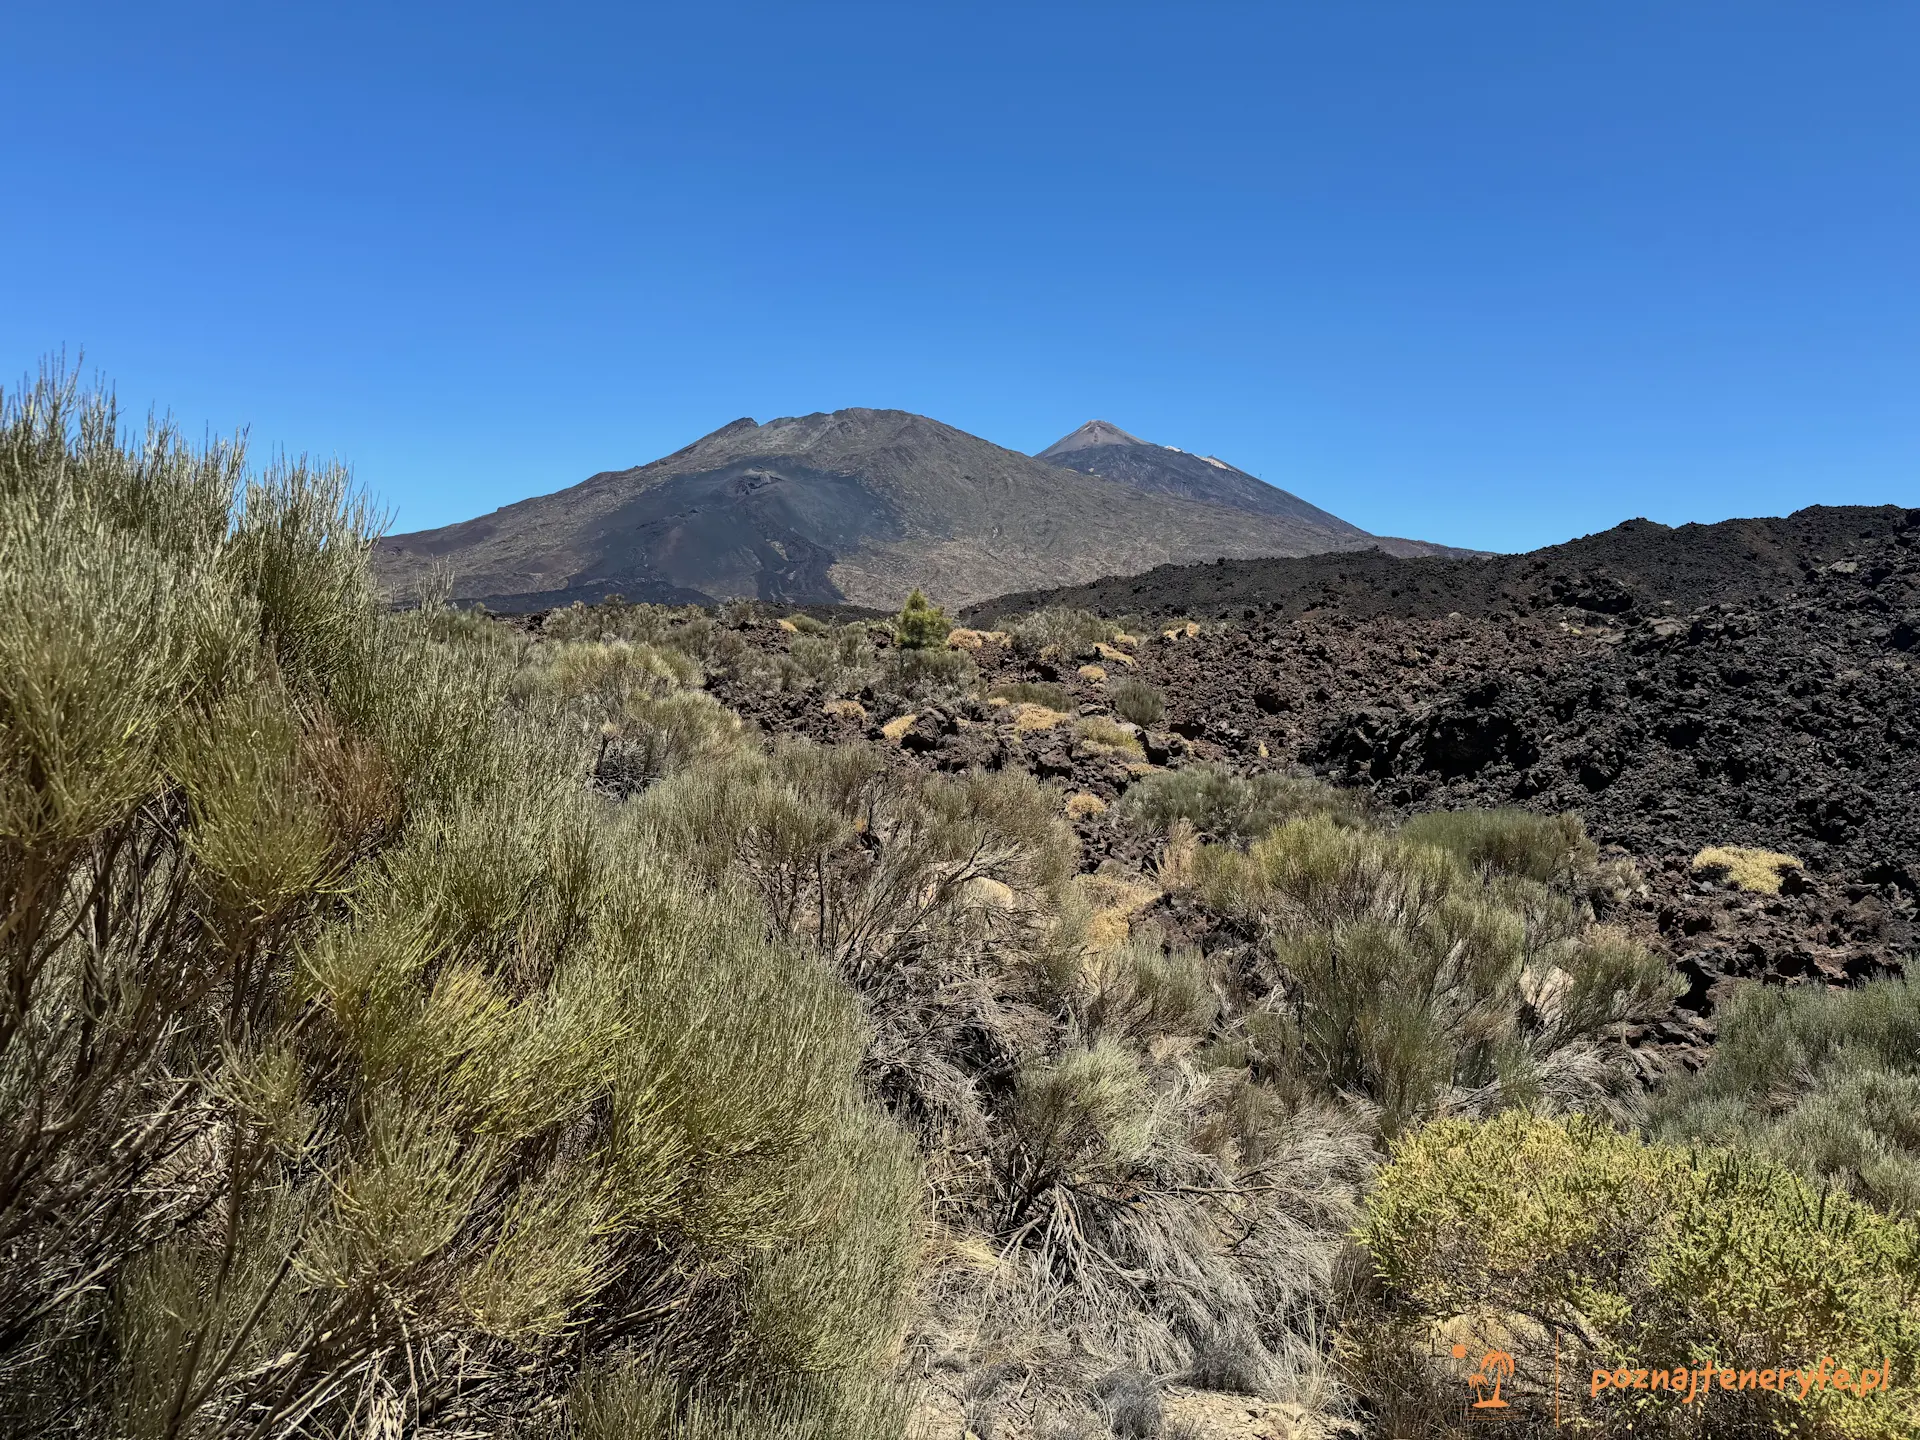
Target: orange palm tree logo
x,y
1496,1367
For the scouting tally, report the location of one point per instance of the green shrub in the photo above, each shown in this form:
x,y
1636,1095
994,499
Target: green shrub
x,y
1826,1081
876,870
1218,803
1082,1114
346,1051
1102,732
1034,692
1634,1255
1137,701
1141,1215
1066,633
838,660
634,1401
606,676
920,625
616,619
1399,974
656,735
1142,990
703,637
923,674
1545,848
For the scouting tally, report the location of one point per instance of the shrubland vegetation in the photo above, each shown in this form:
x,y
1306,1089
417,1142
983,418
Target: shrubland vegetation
x,y
1565,1241
1825,1081
1392,970
1060,633
1033,692
1137,701
1220,805
419,1023
362,1073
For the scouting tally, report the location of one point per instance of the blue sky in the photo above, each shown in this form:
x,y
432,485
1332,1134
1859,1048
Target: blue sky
x,y
1490,274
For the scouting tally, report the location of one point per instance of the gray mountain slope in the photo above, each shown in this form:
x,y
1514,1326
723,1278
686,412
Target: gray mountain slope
x,y
857,506
1100,448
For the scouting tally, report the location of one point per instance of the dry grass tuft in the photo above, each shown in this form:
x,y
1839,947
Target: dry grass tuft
x,y
844,710
1028,718
1084,804
961,638
1759,871
1091,672
1118,657
1104,736
898,726
1115,900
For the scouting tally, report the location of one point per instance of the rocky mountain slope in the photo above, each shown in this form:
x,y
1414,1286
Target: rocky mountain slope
x,y
856,506
1636,567
1101,448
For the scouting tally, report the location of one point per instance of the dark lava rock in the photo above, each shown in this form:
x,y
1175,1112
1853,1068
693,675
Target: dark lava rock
x,y
1633,568
1752,683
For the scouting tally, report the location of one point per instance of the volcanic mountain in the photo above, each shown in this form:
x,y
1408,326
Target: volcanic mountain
x,y
1100,448
860,506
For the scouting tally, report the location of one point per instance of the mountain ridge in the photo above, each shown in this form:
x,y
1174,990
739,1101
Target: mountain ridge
x,y
1637,566
1101,448
849,506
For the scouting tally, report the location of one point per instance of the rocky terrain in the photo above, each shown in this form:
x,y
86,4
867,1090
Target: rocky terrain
x,y
1638,567
1748,684
1742,685
859,506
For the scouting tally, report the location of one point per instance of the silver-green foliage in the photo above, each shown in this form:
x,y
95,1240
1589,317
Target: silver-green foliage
x,y
1136,700
1069,634
1143,1213
1827,1081
1395,971
1226,806
356,1071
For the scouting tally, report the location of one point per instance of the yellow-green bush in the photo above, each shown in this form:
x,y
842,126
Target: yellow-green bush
x,y
1824,1080
1396,972
1100,732
1225,806
1745,868
1545,848
609,674
658,734
356,1073
1640,1256
1034,692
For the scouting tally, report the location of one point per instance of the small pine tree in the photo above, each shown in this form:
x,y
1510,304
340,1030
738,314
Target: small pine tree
x,y
920,625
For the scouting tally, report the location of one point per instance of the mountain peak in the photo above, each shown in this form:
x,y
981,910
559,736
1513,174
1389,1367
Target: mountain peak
x,y
1094,432
863,505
